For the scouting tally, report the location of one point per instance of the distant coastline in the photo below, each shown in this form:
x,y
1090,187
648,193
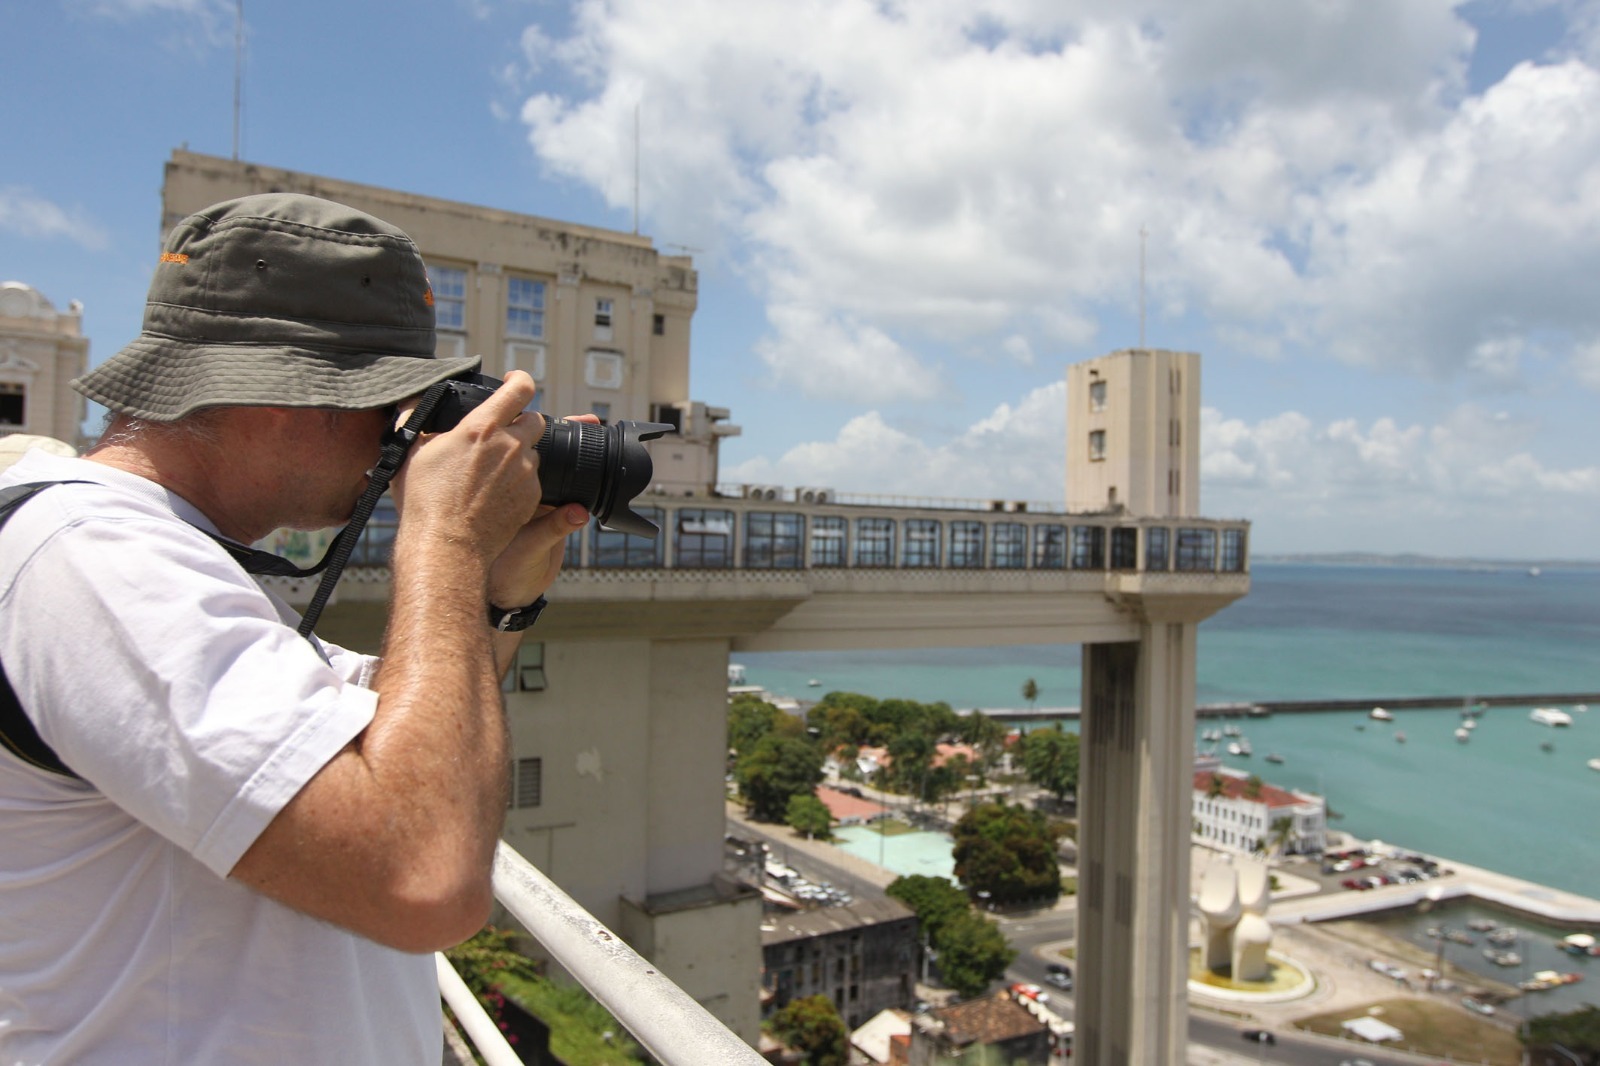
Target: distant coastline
x,y
1405,560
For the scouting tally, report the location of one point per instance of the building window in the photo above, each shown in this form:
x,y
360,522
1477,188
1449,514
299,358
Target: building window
x,y
827,541
704,539
528,673
1124,548
922,543
1097,396
966,545
1010,546
773,541
1088,547
1197,549
874,542
527,783
1049,547
1097,444
602,320
449,286
623,551
1155,548
1232,560
524,308
603,370
658,325
1174,432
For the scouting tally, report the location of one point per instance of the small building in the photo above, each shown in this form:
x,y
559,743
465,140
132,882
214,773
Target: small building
x,y
41,351
876,1039
850,810
862,955
997,1022
1235,812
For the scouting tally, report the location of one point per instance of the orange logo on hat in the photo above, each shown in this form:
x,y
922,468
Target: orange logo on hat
x,y
174,257
427,296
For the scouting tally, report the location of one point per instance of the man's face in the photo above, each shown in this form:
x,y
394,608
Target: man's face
x,y
334,451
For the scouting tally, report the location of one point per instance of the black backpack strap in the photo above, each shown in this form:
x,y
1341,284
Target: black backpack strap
x,y
17,734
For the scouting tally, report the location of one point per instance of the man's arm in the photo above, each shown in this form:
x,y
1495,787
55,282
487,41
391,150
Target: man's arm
x,y
394,838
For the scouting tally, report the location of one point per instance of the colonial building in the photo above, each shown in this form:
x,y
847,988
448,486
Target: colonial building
x,y
1235,811
41,351
862,955
1009,1031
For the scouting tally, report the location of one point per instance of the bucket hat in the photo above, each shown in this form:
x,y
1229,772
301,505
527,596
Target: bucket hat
x,y
278,300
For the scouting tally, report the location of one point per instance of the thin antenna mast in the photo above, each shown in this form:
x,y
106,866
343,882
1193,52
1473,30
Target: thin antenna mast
x,y
636,169
1143,233
238,68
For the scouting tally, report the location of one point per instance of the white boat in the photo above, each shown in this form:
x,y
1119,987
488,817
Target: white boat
x,y
1594,764
1551,716
1463,735
1380,715
1274,757
1470,723
814,683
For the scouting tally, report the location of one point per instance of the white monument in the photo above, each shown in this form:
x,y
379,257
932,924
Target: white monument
x,y
1233,910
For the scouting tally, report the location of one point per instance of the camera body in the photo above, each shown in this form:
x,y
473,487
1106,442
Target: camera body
x,y
602,467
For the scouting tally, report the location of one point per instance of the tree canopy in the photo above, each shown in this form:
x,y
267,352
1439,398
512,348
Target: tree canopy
x,y
777,768
1578,1031
935,900
809,815
1008,852
972,953
1050,759
811,1025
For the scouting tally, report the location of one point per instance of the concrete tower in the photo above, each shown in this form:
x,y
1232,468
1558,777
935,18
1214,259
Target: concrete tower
x,y
1133,433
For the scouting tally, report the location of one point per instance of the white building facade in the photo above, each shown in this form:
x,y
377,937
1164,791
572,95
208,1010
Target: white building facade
x,y
1235,811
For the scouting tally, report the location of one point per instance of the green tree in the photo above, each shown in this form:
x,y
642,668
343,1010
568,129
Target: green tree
x,y
972,953
1252,787
1282,828
811,1025
750,719
809,815
775,769
1050,759
911,755
1008,852
1030,692
1577,1031
1216,786
934,900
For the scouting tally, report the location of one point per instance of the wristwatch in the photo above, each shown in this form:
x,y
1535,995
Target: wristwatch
x,y
515,619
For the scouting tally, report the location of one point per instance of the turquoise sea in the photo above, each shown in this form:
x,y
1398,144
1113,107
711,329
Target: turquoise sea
x,y
1308,632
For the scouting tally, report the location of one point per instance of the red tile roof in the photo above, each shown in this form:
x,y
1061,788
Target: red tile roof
x,y
1234,788
844,807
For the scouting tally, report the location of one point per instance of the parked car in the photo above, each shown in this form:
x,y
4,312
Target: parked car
x,y
1030,991
1062,981
1259,1036
1476,1005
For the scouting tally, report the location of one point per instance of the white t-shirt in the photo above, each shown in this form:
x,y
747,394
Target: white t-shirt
x,y
179,690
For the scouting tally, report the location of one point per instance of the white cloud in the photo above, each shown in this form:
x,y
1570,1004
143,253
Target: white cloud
x,y
977,173
1013,453
1354,484
25,212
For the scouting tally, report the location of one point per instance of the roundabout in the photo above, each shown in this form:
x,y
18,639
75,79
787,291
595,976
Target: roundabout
x,y
1286,980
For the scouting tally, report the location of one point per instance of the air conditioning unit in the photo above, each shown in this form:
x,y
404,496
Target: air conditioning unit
x,y
814,495
762,492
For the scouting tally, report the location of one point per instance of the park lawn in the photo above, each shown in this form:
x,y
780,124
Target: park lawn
x,y
892,827
1433,1029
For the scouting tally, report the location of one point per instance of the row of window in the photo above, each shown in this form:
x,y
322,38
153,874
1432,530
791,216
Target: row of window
x,y
525,306
705,538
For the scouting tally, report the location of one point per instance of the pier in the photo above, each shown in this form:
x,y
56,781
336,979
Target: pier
x,y
1261,708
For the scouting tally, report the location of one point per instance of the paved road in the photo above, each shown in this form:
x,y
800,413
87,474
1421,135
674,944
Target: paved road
x,y
1212,1039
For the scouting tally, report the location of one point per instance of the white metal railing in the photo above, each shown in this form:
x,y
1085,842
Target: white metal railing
x,y
668,1022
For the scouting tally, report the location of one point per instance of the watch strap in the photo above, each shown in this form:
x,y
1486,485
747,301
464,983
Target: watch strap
x,y
516,619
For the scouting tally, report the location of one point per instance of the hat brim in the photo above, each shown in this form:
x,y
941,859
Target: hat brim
x,y
162,379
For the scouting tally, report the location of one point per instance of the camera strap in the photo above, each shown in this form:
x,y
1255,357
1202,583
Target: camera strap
x,y
396,443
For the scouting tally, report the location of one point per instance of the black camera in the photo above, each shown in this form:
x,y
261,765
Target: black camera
x,y
601,467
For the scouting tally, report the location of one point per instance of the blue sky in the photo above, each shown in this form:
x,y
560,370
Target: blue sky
x,y
1378,220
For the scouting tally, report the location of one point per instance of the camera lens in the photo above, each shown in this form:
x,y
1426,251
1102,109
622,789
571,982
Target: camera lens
x,y
601,467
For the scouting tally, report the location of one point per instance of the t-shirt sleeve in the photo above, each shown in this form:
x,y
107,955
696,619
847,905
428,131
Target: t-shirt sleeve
x,y
164,676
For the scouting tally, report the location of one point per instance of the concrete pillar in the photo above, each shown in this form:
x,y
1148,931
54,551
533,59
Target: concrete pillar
x,y
1133,899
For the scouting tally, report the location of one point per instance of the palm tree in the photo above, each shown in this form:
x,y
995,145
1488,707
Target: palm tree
x,y
1030,692
1282,832
1216,787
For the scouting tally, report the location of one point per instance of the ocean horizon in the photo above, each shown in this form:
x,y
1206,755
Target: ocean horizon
x,y
1515,798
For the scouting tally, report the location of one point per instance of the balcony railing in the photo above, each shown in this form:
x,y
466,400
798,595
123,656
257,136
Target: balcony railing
x,y
665,1020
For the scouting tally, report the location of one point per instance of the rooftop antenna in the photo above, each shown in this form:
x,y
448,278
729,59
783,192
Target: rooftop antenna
x,y
635,167
238,68
1143,233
